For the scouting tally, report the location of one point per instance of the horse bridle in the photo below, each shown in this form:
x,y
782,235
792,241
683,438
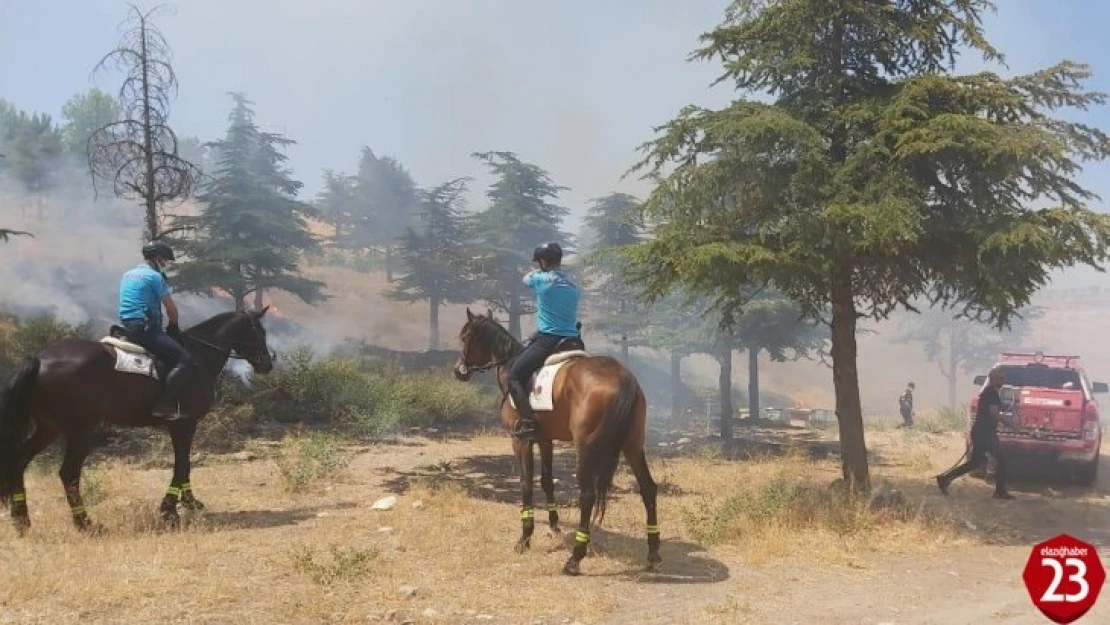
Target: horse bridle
x,y
233,350
468,369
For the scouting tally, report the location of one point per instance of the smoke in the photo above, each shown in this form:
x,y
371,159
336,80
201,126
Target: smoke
x,y
81,247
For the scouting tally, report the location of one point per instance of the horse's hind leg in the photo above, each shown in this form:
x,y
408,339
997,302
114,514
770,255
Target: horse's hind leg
x,y
587,496
77,449
636,458
547,481
523,450
181,434
39,441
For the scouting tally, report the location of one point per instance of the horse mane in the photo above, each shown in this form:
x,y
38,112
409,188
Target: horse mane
x,y
492,333
209,326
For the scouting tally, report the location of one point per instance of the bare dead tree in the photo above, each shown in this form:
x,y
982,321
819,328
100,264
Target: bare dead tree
x,y
138,155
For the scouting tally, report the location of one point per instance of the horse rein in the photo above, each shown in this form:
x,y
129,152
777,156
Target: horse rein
x,y
232,351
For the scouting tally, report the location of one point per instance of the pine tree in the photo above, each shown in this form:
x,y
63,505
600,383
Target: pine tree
x,y
433,254
337,203
874,176
385,199
520,216
252,230
613,222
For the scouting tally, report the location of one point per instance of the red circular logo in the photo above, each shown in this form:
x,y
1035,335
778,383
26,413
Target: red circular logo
x,y
1064,576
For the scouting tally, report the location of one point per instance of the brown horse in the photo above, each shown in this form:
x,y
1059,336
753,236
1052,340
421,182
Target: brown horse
x,y
597,404
74,384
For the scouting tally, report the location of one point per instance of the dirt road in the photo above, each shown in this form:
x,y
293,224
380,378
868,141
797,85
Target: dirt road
x,y
443,553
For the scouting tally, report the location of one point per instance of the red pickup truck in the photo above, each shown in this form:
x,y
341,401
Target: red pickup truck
x,y
1049,413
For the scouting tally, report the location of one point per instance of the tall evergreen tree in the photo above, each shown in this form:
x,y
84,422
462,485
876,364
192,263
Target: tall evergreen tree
x,y
250,235
874,177
613,222
337,204
32,148
433,253
84,113
520,216
386,198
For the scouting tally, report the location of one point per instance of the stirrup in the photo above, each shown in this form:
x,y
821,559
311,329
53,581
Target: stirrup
x,y
526,428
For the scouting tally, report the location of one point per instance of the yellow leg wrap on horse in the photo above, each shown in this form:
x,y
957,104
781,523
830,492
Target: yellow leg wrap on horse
x,y
527,513
186,486
652,529
78,510
173,491
582,537
19,497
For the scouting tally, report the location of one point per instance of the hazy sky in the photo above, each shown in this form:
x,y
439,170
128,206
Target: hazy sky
x,y
573,86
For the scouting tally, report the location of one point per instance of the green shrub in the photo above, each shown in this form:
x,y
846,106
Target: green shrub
x,y
345,564
369,398
305,458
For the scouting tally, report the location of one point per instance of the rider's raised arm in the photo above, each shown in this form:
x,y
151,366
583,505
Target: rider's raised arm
x,y
530,279
166,297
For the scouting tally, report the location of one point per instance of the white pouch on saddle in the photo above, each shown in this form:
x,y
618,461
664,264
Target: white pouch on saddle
x,y
542,388
132,358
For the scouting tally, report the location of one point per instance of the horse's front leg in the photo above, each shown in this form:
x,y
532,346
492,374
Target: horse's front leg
x,y
547,481
523,450
181,434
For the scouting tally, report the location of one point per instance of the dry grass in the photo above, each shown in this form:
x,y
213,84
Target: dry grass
x,y
263,552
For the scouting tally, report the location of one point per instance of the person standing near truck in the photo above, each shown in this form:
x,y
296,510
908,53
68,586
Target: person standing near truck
x,y
905,406
984,439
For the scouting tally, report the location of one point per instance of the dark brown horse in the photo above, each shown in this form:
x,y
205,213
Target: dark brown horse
x,y
73,385
598,405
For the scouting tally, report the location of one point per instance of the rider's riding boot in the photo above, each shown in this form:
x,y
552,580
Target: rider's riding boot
x,y
167,405
526,427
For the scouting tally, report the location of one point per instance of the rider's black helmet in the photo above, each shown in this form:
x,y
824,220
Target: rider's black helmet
x,y
550,252
158,249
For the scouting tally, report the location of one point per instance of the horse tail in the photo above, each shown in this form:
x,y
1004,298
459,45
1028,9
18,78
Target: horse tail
x,y
603,455
15,424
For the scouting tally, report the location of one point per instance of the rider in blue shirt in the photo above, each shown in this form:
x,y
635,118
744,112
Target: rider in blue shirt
x,y
557,297
142,293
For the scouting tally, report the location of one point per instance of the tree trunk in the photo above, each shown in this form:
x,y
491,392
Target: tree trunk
x,y
433,323
676,384
514,318
148,141
753,382
849,412
239,295
259,292
724,381
953,362
389,263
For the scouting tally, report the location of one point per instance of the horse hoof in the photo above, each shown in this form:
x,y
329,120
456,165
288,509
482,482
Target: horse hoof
x,y
554,528
522,545
571,568
22,526
653,562
89,528
193,505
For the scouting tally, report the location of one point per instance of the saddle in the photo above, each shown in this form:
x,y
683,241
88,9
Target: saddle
x,y
132,357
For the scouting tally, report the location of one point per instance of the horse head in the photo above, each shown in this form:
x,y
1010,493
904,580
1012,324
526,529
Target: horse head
x,y
245,335
477,351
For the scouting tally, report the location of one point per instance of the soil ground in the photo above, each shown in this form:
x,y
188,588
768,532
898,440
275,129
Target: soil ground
x,y
261,553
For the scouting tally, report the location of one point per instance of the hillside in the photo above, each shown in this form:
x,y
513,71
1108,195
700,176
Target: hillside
x,y
72,268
